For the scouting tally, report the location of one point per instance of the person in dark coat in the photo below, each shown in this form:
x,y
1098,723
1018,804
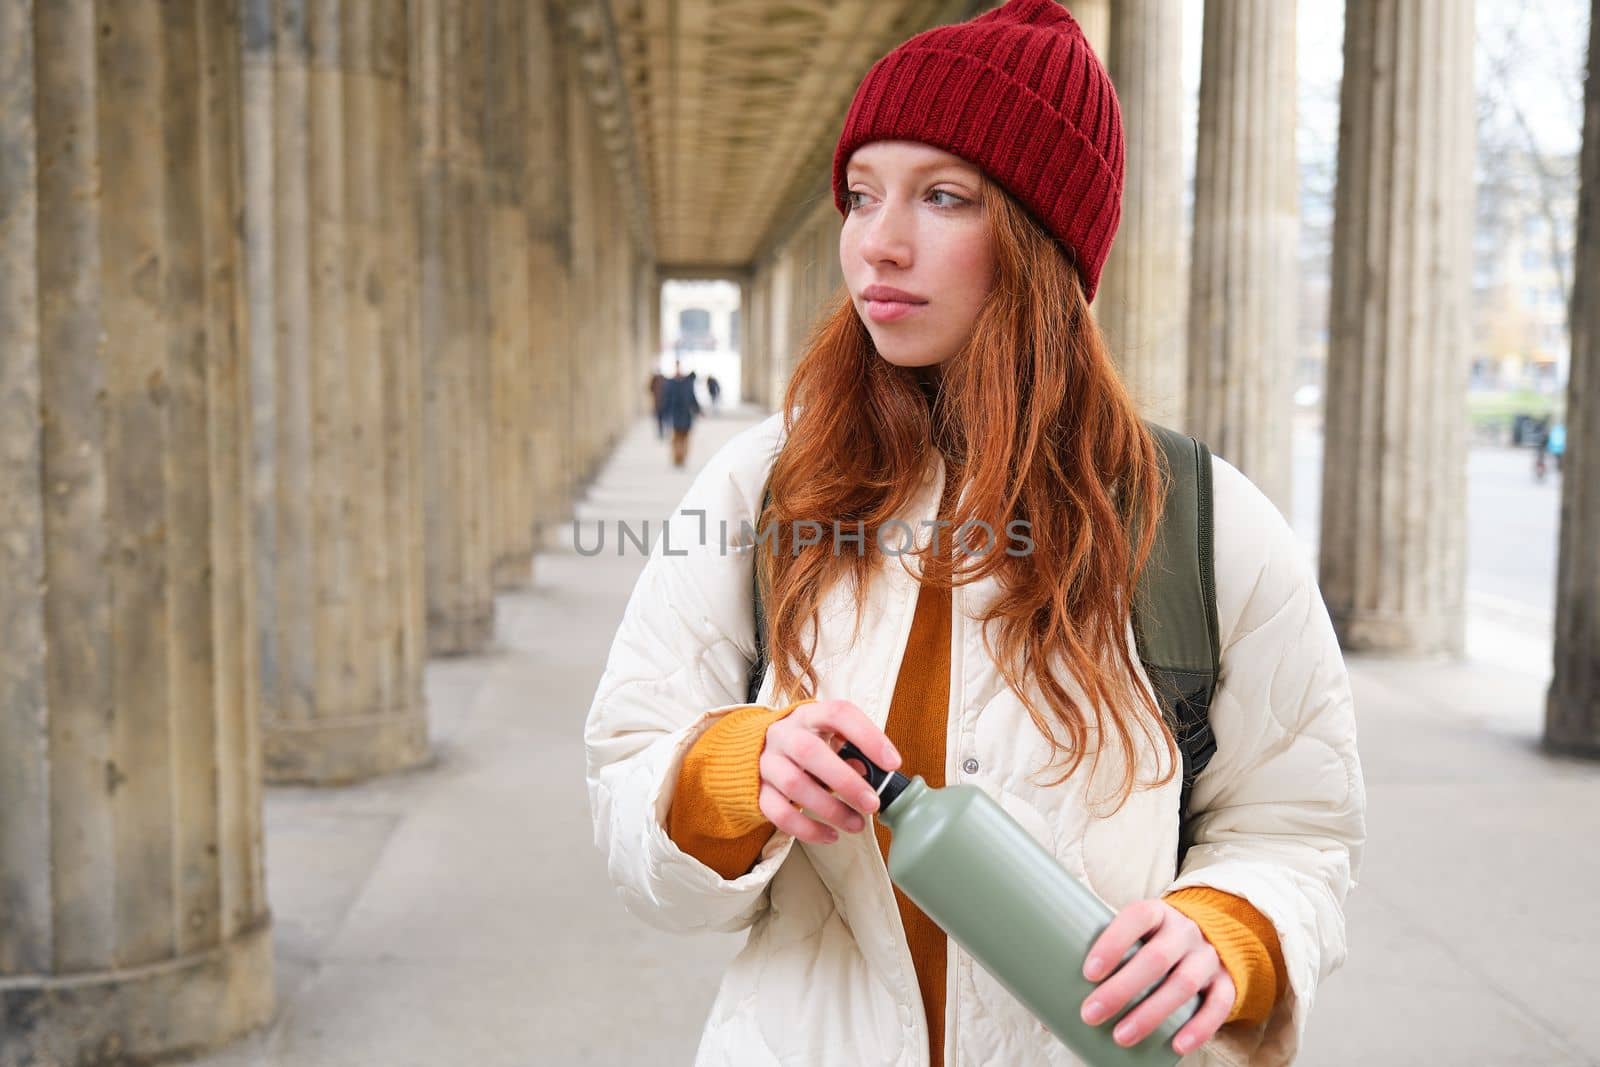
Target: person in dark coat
x,y
714,388
658,400
681,408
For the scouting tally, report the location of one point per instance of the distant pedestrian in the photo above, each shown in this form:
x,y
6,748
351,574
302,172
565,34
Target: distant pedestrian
x,y
1554,446
680,406
658,400
714,388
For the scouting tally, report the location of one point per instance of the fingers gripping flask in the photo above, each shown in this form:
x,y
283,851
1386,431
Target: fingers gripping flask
x,y
987,883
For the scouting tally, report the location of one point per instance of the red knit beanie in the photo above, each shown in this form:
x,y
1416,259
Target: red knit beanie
x,y
1018,92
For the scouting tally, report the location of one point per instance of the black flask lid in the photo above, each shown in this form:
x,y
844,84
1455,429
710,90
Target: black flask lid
x,y
887,784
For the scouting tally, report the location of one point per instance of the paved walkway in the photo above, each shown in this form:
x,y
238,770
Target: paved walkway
x,y
459,915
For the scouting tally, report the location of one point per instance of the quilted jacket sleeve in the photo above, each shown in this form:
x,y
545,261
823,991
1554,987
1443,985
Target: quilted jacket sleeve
x,y
677,664
1281,809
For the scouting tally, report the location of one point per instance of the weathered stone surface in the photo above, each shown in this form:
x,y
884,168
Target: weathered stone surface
x,y
1242,278
1140,302
455,349
130,812
333,478
25,836
1572,714
550,266
1393,542
510,294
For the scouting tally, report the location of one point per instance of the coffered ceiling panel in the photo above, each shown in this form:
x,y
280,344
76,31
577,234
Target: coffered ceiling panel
x,y
734,107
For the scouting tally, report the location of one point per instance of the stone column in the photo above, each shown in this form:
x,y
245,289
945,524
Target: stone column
x,y
623,390
1394,469
1242,277
1572,716
1139,302
647,331
342,678
454,306
509,294
549,218
759,331
745,339
779,331
399,322
587,347
136,921
1095,18
653,341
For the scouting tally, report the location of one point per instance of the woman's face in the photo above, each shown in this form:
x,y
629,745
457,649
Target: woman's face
x,y
915,224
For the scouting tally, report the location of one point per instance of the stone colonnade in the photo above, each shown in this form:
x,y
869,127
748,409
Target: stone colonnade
x,y
313,313
787,289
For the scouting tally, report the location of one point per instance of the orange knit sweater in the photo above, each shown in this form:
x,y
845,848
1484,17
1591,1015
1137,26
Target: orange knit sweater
x,y
715,818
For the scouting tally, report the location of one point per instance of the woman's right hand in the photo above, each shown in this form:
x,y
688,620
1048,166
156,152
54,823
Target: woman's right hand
x,y
800,764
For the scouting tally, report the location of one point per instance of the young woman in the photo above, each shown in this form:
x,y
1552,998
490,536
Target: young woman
x,y
961,381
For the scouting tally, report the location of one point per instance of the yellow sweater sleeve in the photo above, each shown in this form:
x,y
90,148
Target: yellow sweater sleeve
x,y
1246,943
715,815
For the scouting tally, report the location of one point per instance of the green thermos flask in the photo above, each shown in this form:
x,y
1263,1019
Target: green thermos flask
x,y
1005,900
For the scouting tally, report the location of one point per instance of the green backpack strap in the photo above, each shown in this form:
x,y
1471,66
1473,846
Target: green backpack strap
x,y
1175,612
759,668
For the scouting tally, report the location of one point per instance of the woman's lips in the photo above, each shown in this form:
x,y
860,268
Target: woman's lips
x,y
890,310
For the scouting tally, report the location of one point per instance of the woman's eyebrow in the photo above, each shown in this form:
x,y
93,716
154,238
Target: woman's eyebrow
x,y
921,168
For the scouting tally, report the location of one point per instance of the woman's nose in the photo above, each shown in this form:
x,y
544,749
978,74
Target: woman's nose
x,y
887,236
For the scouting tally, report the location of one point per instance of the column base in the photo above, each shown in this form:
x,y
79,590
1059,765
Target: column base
x,y
460,634
514,573
344,750
1401,635
1571,723
160,1011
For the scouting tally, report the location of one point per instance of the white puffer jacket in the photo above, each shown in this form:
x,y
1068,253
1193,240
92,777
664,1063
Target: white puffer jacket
x,y
825,976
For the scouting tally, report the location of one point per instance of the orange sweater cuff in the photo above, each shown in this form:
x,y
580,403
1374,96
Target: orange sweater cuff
x,y
715,814
1245,941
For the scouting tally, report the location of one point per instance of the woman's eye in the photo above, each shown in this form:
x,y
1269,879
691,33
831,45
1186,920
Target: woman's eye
x,y
946,192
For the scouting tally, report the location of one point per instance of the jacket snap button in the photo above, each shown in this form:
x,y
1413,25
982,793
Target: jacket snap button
x,y
970,766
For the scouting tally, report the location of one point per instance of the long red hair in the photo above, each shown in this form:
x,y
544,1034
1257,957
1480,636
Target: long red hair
x,y
1032,415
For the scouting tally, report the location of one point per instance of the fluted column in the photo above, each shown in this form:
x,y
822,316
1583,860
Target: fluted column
x,y
342,678
653,341
135,916
455,325
588,348
1139,304
549,218
1394,468
1242,278
1095,18
395,217
759,330
779,332
509,293
1572,715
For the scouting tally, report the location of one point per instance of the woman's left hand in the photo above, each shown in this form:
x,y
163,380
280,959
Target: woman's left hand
x,y
1175,949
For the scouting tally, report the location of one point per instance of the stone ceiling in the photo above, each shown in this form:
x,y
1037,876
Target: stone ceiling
x,y
722,114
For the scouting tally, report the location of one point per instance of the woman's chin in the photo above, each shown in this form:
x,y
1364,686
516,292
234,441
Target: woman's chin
x,y
908,360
